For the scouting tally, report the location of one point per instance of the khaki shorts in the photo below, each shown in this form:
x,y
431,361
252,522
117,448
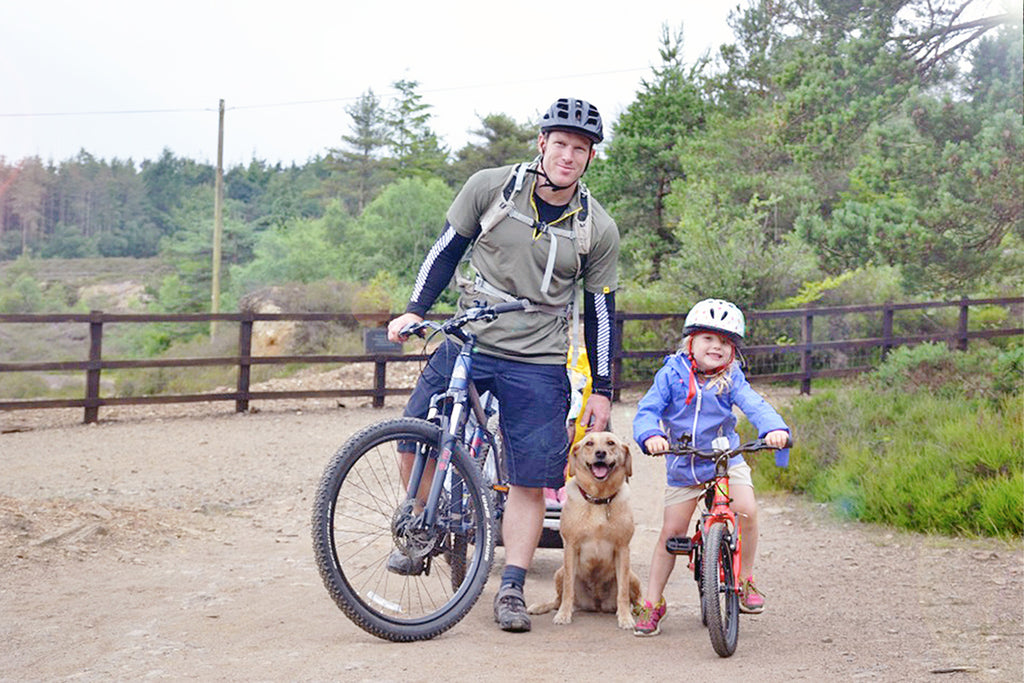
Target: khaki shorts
x,y
738,475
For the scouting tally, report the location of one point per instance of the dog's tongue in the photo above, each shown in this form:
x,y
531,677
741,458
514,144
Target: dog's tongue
x,y
600,470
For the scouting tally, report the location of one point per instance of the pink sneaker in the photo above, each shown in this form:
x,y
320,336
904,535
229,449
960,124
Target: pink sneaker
x,y
648,621
751,599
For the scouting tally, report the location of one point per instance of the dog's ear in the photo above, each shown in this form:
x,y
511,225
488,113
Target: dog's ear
x,y
628,459
572,458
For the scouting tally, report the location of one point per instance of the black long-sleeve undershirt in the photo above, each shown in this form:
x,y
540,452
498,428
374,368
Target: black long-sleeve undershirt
x,y
599,338
437,270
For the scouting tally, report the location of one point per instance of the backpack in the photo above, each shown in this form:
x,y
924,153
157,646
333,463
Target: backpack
x,y
580,233
504,206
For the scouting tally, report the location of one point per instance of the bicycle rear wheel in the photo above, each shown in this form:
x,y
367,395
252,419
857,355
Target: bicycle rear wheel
x,y
493,462
361,514
720,604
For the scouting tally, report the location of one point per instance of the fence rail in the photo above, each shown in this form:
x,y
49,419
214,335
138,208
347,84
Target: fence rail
x,y
803,355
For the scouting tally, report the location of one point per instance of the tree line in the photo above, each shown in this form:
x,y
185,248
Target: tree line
x,y
864,149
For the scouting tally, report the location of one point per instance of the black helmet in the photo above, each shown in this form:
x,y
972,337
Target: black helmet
x,y
573,116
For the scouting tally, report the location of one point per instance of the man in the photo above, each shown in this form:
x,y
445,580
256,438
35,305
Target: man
x,y
535,233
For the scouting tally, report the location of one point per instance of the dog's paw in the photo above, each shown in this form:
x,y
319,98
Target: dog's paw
x,y
541,607
563,617
626,621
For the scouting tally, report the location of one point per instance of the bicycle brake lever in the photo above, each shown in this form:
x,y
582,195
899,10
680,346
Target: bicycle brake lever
x,y
411,329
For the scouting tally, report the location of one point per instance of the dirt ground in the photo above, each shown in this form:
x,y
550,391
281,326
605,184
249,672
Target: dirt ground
x,y
160,546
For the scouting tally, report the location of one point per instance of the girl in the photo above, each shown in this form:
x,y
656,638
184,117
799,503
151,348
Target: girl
x,y
694,393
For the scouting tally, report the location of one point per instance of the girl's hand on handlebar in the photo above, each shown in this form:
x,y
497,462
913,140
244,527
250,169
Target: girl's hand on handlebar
x,y
656,445
777,439
396,326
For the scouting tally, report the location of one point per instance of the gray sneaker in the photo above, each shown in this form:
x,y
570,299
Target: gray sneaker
x,y
400,563
510,609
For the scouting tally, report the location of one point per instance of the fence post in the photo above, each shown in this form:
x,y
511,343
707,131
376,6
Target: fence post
x,y
888,313
620,326
962,328
244,362
807,333
92,374
380,372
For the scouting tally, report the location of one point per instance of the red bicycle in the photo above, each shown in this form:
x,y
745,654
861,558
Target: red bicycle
x,y
715,546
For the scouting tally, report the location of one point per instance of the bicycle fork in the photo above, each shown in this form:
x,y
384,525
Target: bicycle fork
x,y
451,421
717,502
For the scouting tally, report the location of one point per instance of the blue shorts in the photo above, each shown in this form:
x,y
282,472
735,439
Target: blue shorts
x,y
534,404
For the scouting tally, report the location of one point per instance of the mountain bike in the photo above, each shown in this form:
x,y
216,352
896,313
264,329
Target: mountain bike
x,y
716,544
443,518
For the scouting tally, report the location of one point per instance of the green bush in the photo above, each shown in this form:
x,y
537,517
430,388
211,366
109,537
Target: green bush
x,y
982,372
20,385
644,335
950,479
931,442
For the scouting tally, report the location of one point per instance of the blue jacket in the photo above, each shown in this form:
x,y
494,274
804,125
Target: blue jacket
x,y
663,412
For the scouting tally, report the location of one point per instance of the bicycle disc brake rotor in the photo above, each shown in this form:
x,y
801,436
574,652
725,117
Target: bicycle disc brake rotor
x,y
409,533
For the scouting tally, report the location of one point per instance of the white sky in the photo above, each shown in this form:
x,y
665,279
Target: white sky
x,y
287,70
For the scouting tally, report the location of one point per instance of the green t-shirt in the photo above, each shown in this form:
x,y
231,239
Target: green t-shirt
x,y
509,257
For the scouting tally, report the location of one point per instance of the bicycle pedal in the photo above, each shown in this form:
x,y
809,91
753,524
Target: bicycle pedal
x,y
679,545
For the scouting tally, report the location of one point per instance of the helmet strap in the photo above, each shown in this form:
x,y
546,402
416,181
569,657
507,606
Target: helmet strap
x,y
691,392
546,182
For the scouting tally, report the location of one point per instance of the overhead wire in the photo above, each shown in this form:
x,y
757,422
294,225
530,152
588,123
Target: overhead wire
x,y
296,103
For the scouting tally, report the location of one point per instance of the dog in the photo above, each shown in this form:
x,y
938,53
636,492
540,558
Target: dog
x,y
596,528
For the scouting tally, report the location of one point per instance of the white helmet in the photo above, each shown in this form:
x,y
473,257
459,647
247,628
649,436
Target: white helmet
x,y
715,315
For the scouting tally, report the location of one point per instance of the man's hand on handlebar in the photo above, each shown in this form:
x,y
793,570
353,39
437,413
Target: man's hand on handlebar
x,y
396,326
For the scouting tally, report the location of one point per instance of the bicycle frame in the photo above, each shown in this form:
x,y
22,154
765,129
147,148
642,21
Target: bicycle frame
x,y
715,549
451,411
719,509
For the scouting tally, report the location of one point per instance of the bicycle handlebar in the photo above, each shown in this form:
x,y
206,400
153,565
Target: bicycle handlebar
x,y
715,453
475,313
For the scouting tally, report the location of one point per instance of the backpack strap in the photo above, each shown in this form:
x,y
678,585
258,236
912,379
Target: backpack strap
x,y
580,233
484,287
504,207
504,203
584,222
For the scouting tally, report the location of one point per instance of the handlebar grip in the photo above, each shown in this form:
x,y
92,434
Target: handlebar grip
x,y
509,306
412,328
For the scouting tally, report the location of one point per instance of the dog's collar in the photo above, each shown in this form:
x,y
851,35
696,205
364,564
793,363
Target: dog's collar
x,y
596,501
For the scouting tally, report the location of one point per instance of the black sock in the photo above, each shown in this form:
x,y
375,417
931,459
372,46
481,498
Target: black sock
x,y
513,575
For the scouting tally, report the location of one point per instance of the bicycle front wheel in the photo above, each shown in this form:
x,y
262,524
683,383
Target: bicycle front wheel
x,y
361,514
720,604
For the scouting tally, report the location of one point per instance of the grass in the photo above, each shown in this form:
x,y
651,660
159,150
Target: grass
x,y
939,456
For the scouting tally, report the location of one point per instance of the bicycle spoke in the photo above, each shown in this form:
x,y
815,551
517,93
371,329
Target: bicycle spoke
x,y
357,529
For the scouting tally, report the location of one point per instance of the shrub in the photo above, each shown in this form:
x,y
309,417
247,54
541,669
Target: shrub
x,y
656,297
20,385
982,372
931,442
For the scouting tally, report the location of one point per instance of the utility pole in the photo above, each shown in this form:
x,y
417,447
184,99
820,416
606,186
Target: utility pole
x,y
218,222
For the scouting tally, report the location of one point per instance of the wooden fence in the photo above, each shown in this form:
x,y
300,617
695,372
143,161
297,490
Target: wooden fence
x,y
796,356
